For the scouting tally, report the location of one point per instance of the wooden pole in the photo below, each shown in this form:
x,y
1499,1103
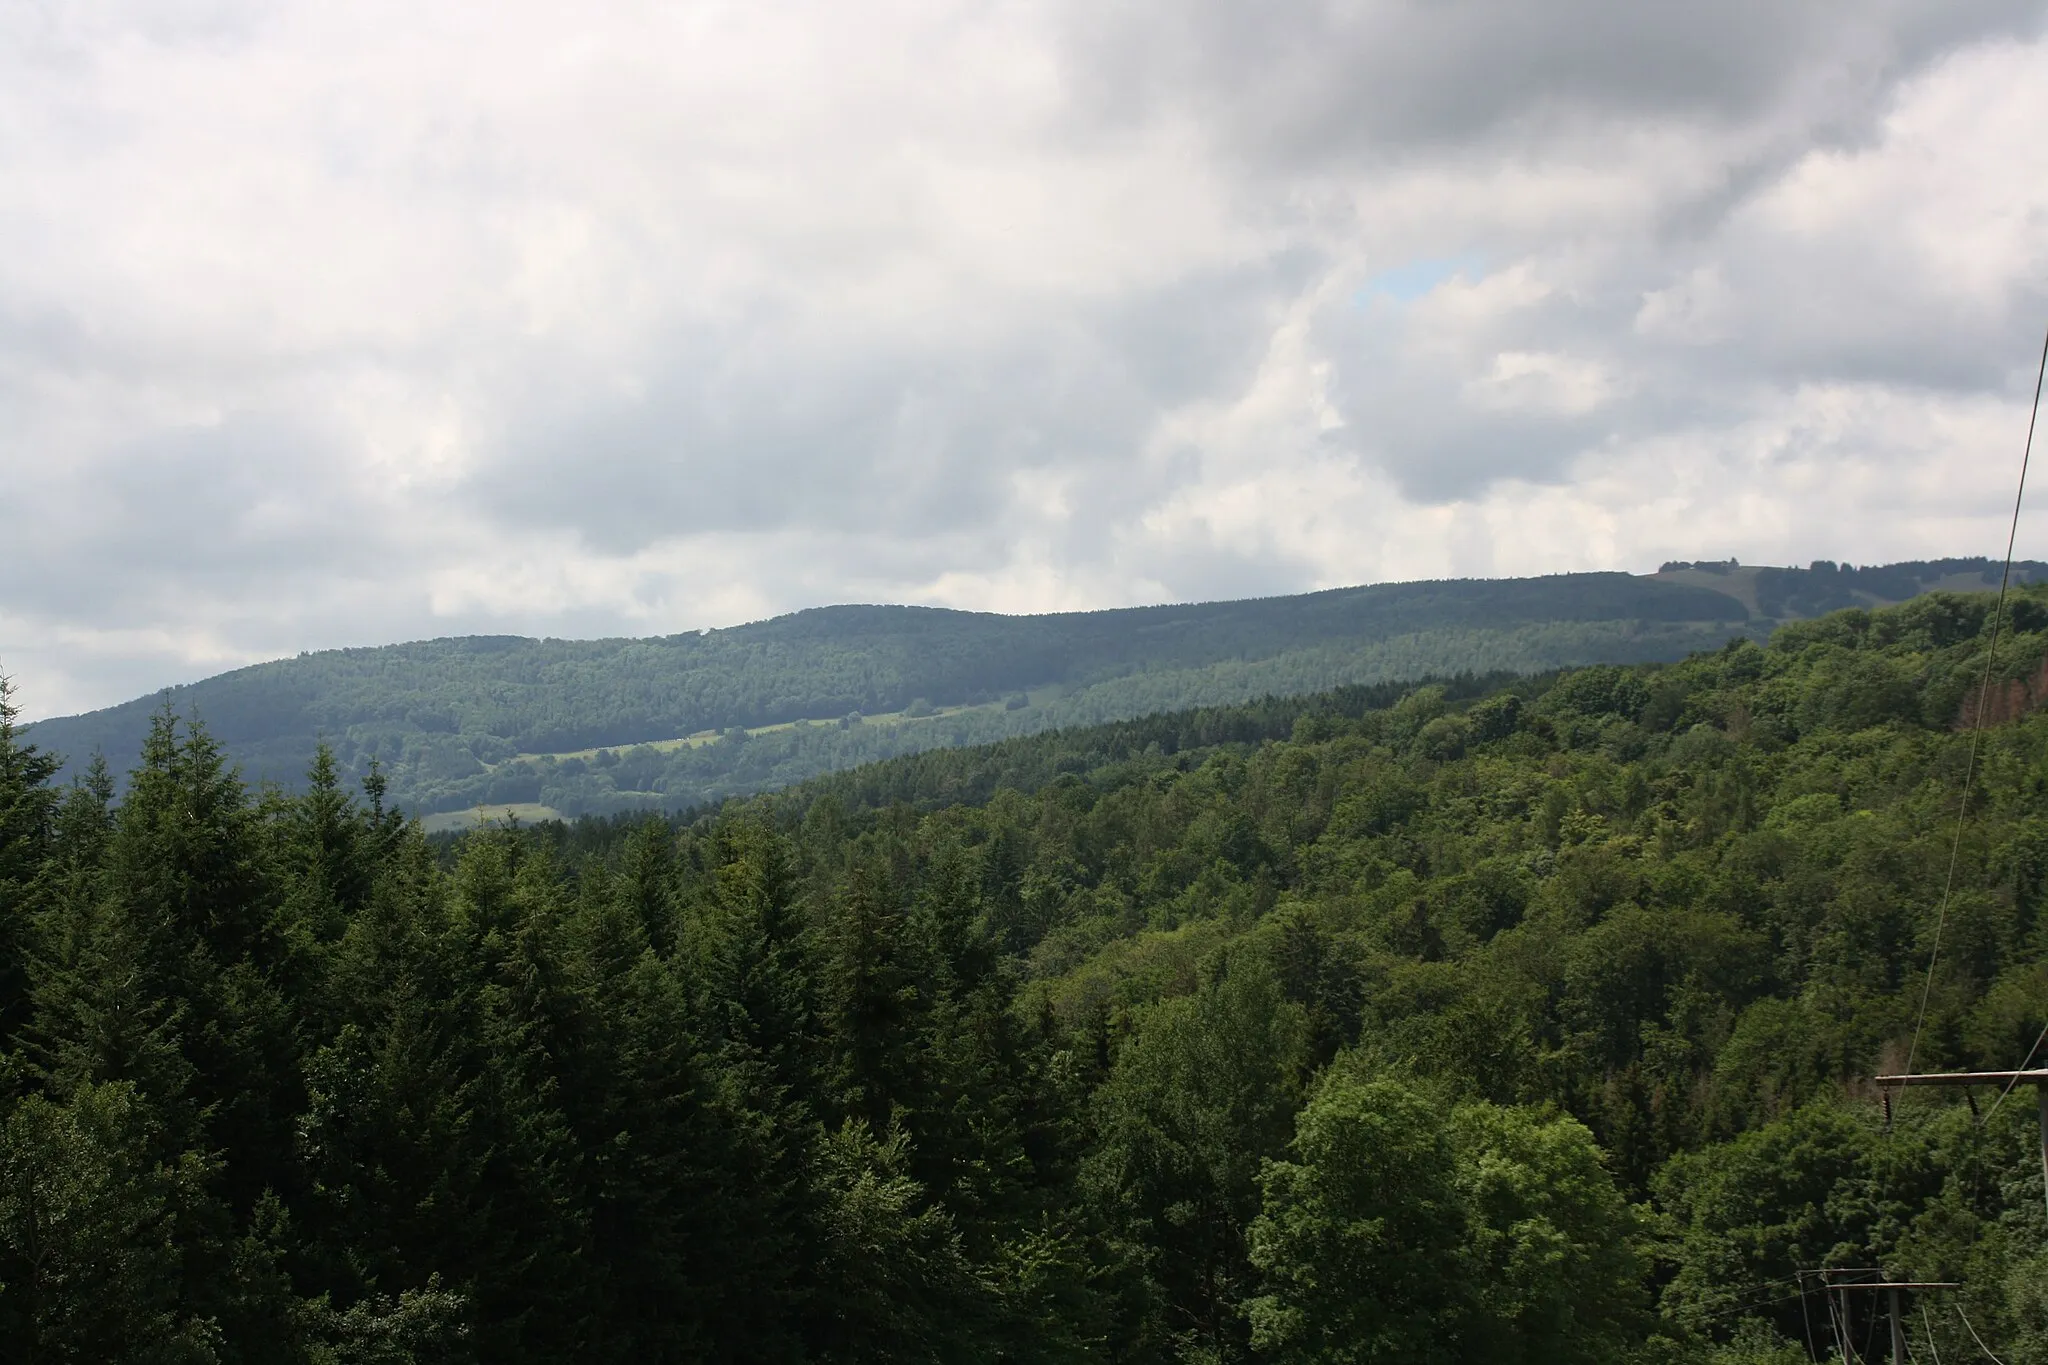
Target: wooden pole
x,y
1842,1279
2041,1095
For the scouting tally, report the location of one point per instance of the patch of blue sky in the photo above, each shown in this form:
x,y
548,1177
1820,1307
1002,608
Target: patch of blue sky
x,y
1410,280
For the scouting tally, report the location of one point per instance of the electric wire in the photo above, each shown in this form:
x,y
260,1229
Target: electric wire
x,y
1932,1349
1750,1305
1974,1337
1983,696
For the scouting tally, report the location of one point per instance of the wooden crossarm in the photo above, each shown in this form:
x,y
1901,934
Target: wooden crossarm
x,y
2038,1076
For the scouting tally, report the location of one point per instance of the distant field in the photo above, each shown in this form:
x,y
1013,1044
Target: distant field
x,y
525,813
704,737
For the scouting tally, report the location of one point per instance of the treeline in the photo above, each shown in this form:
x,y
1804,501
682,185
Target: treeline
x,y
1490,1021
1825,586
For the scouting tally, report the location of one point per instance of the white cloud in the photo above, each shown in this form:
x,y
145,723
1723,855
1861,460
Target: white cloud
x,y
1693,310
1544,382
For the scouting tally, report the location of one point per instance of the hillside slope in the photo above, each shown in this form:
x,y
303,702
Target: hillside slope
x,y
600,725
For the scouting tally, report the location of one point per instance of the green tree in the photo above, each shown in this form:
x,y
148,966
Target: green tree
x,y
1554,1246
756,992
895,1285
91,1269
27,816
1361,1242
1403,1229
1203,1092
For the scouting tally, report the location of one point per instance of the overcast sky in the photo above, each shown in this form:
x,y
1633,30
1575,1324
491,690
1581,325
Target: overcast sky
x,y
345,324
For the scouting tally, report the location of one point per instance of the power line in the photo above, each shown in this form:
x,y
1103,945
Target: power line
x,y
1983,696
1932,1349
1751,1305
1974,1337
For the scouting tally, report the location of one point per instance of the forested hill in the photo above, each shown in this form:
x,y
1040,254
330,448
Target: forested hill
x,y
1515,1025
571,727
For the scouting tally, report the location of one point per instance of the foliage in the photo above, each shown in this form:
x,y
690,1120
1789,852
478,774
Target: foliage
x,y
1405,1229
1521,1019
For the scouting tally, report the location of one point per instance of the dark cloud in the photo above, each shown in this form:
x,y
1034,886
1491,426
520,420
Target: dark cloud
x,y
1312,79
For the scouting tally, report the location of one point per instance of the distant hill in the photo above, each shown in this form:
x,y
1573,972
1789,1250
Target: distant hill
x,y
574,727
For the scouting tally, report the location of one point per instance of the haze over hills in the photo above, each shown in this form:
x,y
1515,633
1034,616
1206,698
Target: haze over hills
x,y
578,727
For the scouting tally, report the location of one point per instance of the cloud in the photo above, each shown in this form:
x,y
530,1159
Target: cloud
x,y
333,325
1319,80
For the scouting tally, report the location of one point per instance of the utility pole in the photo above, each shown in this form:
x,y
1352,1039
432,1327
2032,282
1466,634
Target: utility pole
x,y
2038,1078
1837,1278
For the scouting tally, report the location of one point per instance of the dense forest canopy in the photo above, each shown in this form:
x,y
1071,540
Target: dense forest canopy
x,y
576,727
1523,1021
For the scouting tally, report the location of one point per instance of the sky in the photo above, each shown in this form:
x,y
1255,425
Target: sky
x,y
330,325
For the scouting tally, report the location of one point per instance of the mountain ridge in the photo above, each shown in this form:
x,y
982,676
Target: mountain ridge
x,y
588,726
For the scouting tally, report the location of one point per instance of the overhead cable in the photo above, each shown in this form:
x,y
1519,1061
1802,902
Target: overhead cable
x,y
1983,698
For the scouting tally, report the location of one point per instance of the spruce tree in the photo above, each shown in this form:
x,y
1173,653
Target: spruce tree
x,y
756,999
27,812
648,878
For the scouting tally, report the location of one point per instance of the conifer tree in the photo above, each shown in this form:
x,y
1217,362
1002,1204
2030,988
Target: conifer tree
x,y
874,998
328,848
664,1225
648,878
27,811
189,882
756,998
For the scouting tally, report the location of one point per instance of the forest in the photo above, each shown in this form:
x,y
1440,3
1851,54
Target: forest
x,y
1491,1019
